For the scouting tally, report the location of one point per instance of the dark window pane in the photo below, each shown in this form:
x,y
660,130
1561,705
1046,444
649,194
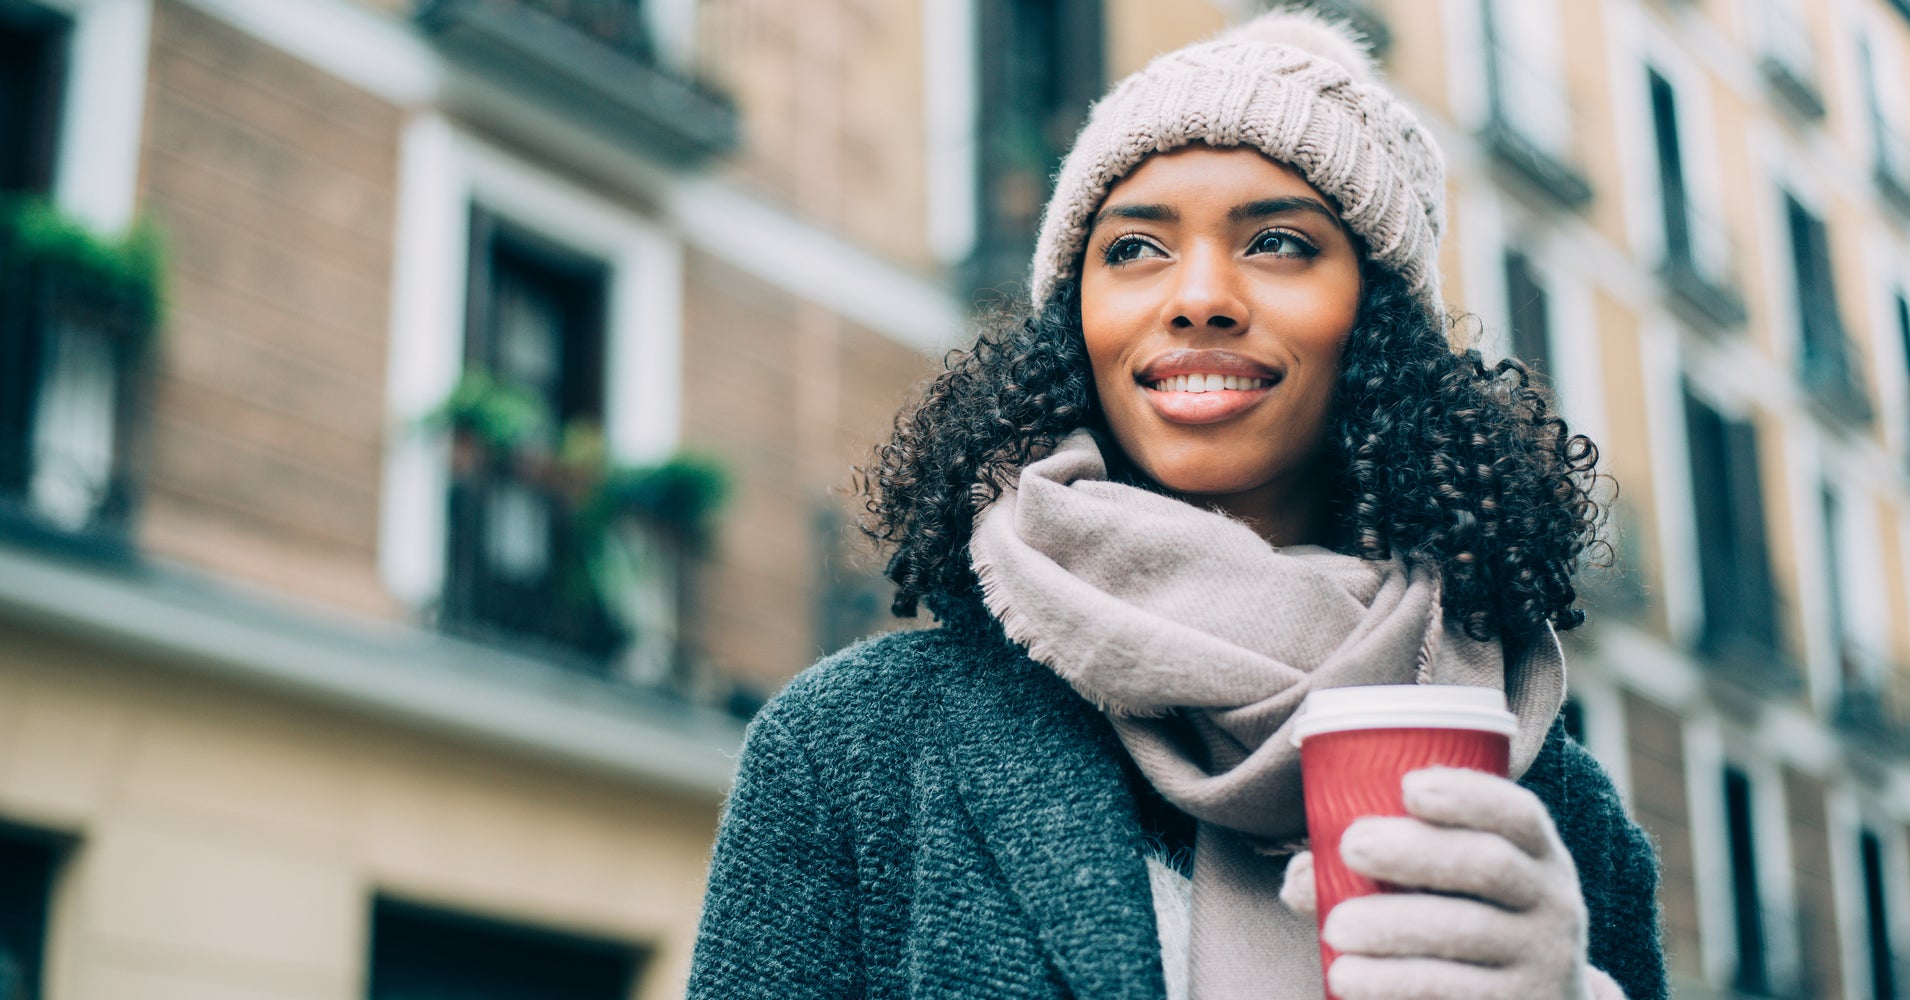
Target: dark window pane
x,y
32,60
26,880
1733,558
1040,69
1671,177
1574,715
1883,978
1747,908
424,954
1529,311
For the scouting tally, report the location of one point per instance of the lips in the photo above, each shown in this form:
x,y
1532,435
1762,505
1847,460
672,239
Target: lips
x,y
1196,387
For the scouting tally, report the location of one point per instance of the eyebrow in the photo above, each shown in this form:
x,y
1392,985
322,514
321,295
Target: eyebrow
x,y
1239,213
1146,213
1277,206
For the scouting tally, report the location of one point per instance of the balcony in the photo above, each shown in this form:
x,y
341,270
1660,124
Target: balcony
x,y
1874,714
77,314
1700,267
1892,169
1787,58
1827,367
1529,128
589,58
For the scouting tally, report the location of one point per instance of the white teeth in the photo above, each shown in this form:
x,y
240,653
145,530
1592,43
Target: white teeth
x,y
1208,383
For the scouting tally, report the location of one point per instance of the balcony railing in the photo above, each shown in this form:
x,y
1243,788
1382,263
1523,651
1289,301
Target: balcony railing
x,y
1530,125
1788,58
1701,266
593,59
1875,713
73,346
1892,171
1827,367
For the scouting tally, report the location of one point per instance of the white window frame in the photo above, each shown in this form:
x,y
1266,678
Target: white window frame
x,y
443,173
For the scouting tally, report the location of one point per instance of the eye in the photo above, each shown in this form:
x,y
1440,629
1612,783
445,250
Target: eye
x,y
1130,247
1282,243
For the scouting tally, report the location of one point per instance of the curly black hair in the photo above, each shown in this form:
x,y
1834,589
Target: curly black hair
x,y
1438,457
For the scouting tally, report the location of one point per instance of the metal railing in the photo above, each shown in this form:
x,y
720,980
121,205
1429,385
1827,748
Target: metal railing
x,y
594,59
74,360
1875,711
1702,262
1828,369
1788,56
1531,125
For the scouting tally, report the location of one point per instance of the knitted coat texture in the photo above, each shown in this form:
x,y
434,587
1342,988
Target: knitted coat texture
x,y
932,814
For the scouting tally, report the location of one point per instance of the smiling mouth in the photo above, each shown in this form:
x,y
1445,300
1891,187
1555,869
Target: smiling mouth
x,y
1209,383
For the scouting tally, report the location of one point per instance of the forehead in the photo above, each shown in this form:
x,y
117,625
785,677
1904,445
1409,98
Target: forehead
x,y
1196,173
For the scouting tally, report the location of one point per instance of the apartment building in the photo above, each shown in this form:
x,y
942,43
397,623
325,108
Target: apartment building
x,y
364,633
1690,215
369,372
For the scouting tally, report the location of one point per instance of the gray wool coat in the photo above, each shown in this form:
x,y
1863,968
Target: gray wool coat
x,y
932,814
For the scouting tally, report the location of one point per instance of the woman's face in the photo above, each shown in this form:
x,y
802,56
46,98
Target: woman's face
x,y
1217,291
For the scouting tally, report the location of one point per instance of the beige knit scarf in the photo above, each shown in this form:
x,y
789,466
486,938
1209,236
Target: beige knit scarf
x,y
1199,640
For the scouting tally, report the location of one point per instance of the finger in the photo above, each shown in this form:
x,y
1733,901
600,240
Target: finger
x,y
1418,925
1452,796
1299,891
1413,854
1358,977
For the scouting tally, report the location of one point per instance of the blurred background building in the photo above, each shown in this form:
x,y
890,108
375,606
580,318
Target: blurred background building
x,y
424,430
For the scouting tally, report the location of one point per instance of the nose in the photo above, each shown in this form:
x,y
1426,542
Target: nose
x,y
1205,293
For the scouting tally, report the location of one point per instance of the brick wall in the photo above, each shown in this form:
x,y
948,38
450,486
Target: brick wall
x,y
275,186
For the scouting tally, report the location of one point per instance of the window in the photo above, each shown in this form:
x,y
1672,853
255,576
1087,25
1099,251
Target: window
x,y
1040,69
69,330
1891,148
535,325
1883,972
1573,713
1825,360
1697,263
423,954
1747,909
1902,302
26,881
1740,614
1530,114
32,54
1527,309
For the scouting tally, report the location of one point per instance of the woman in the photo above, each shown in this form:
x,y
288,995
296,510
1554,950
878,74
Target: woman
x,y
1230,458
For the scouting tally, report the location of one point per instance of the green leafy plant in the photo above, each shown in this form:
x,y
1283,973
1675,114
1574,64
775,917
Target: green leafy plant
x,y
503,417
127,270
634,525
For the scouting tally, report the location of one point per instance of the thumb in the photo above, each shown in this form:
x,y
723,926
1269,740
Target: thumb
x,y
1298,891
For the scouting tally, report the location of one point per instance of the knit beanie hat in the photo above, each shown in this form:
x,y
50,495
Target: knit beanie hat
x,y
1296,86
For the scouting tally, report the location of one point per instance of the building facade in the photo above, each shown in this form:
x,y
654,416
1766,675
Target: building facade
x,y
362,604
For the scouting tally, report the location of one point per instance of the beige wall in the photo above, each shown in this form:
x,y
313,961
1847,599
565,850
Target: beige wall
x,y
230,843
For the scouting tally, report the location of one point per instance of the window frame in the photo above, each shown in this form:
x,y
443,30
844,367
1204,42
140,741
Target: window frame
x,y
443,171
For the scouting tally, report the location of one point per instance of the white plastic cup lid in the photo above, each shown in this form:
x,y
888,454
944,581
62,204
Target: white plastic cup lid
x,y
1403,706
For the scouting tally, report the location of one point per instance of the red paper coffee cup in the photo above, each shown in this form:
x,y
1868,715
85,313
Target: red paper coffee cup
x,y
1357,743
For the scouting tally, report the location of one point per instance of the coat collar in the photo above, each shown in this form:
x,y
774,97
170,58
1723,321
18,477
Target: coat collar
x,y
1038,769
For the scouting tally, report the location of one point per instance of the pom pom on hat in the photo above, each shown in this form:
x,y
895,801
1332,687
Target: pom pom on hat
x,y
1311,33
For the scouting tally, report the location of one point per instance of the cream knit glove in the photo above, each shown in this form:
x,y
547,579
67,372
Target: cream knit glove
x,y
1498,914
